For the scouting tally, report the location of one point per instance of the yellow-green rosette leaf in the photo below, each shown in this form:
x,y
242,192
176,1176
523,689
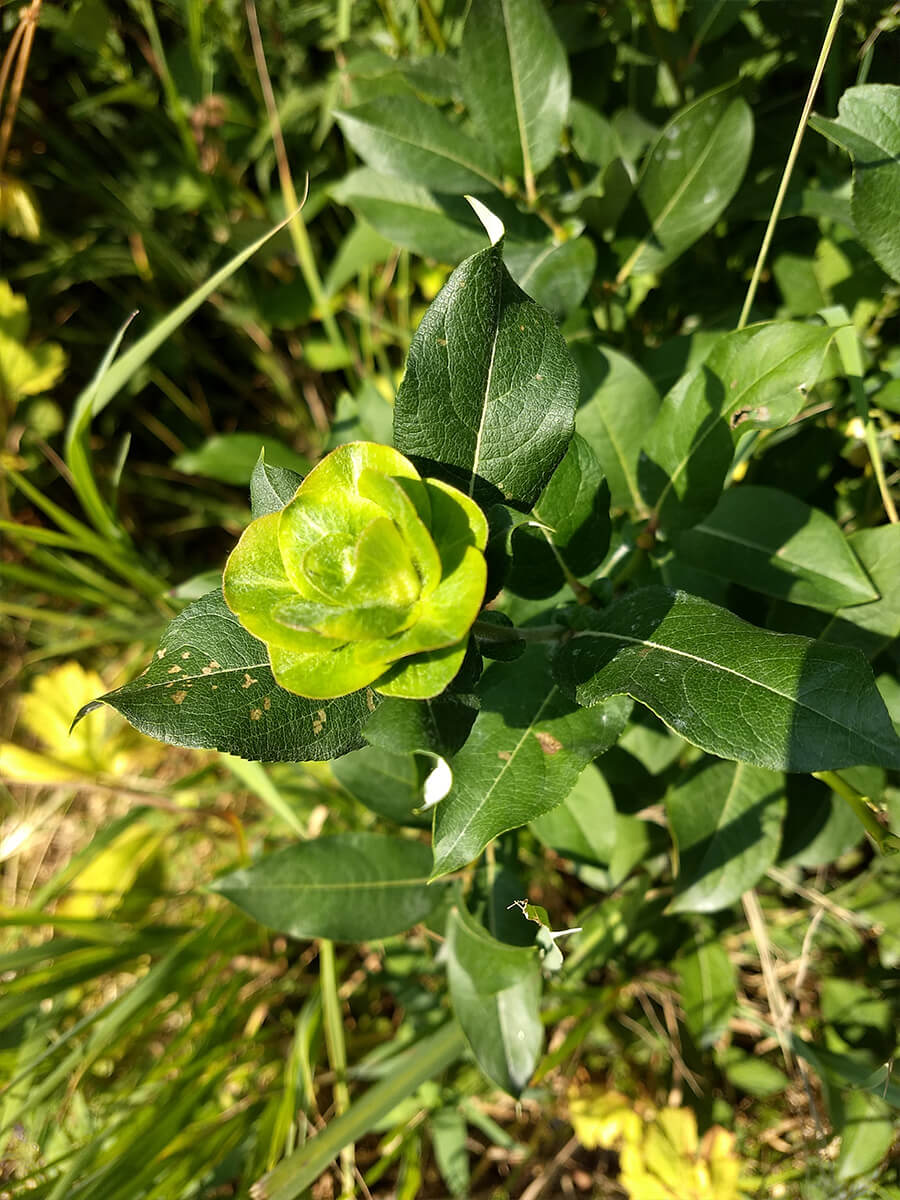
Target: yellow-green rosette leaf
x,y
369,576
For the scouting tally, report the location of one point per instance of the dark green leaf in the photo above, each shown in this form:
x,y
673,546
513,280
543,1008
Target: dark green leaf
x,y
526,750
403,136
872,627
820,826
496,993
583,827
515,80
388,784
361,249
868,127
573,515
618,406
490,389
271,487
708,989
350,887
772,699
210,686
726,822
593,138
231,457
756,378
413,217
689,176
773,543
556,276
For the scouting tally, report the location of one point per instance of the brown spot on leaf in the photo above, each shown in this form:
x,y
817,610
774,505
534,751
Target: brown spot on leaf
x,y
248,681
505,755
255,714
267,703
548,743
214,666
178,697
173,670
370,700
160,654
186,654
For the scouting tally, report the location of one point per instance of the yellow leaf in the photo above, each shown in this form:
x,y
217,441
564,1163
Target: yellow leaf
x,y
603,1118
104,883
19,212
98,744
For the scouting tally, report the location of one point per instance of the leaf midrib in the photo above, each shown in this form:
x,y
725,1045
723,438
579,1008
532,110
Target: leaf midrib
x,y
621,637
507,763
809,572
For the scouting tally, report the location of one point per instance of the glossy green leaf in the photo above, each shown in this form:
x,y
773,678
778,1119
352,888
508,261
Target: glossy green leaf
x,y
773,543
689,177
572,530
349,887
583,826
438,726
388,784
526,750
872,627
617,409
514,75
708,989
210,686
271,487
402,136
556,276
771,699
726,821
486,365
756,378
231,457
495,990
868,127
409,215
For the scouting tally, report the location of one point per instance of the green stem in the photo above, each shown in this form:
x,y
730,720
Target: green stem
x,y
791,160
884,841
337,1053
505,633
847,344
303,250
302,1168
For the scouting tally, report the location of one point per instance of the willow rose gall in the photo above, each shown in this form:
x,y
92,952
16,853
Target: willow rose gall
x,y
370,575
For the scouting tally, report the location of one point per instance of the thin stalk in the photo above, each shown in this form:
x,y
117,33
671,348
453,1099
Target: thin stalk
x,y
343,20
791,161
337,1055
432,25
505,633
848,348
297,226
883,840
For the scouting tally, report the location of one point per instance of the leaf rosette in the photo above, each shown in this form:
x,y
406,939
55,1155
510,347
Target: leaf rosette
x,y
369,576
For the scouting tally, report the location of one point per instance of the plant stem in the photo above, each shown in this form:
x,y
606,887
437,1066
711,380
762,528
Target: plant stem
x,y
847,344
791,160
884,841
337,1053
503,633
297,226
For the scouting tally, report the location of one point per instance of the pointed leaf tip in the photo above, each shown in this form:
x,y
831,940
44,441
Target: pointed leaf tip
x,y
493,226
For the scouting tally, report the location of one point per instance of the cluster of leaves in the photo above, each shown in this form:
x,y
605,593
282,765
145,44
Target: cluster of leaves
x,y
693,551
